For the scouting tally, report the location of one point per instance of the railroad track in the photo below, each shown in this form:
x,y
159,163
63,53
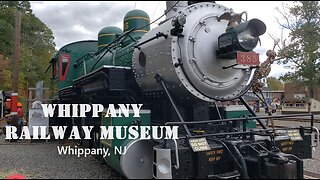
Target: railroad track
x,y
299,120
311,175
292,117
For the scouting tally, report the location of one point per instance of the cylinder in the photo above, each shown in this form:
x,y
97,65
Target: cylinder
x,y
107,35
137,20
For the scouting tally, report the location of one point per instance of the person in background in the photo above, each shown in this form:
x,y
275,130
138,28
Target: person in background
x,y
20,118
20,112
273,107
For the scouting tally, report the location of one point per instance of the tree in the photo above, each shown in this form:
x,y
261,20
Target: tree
x,y
302,52
7,31
5,73
37,44
274,84
23,6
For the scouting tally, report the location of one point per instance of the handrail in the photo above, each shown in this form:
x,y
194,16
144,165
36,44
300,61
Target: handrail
x,y
251,132
107,47
237,119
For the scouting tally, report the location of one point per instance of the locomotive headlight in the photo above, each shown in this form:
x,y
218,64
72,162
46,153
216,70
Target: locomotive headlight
x,y
246,41
243,37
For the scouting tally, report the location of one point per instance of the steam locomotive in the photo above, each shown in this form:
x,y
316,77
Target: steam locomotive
x,y
201,54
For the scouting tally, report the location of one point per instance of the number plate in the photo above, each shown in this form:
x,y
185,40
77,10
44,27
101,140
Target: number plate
x,y
247,58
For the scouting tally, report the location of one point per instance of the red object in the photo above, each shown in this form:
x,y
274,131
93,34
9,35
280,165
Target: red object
x,y
248,58
14,102
20,112
64,66
16,176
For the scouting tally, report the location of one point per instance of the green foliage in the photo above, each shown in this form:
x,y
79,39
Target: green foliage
x,y
7,31
5,73
23,6
302,53
36,49
274,84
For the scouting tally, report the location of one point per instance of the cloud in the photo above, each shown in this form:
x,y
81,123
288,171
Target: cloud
x,y
72,21
278,70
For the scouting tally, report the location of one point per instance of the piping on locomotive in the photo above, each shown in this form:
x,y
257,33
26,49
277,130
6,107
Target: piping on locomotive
x,y
200,54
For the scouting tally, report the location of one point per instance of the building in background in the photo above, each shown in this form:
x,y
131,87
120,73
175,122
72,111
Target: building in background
x,y
297,100
255,103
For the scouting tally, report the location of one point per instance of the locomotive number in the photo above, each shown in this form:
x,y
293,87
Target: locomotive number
x,y
126,26
248,58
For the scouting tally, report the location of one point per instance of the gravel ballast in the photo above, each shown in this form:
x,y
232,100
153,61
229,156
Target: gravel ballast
x,y
41,160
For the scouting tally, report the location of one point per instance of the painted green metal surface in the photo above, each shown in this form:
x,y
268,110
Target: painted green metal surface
x,y
114,57
119,53
137,19
240,112
84,55
107,35
75,51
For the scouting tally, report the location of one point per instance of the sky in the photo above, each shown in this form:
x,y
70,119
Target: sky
x,y
72,21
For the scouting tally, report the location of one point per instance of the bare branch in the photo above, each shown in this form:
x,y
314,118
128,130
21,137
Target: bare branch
x,y
285,16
